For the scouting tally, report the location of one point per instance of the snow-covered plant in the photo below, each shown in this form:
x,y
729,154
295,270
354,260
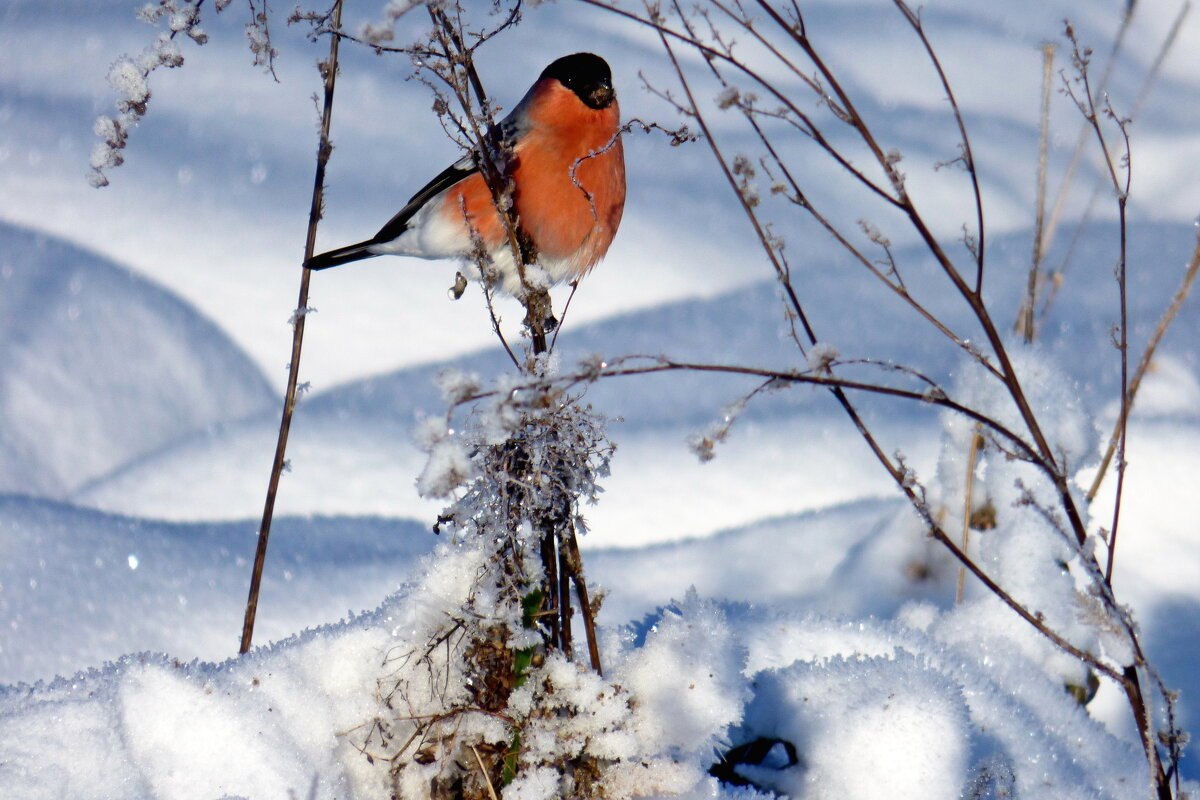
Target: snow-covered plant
x,y
1009,523
488,695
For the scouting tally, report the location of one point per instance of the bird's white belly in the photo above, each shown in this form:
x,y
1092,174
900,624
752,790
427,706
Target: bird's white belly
x,y
431,235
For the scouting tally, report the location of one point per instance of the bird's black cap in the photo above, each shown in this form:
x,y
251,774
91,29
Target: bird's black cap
x,y
585,74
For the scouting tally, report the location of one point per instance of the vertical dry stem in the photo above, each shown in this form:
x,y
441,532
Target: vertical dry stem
x,y
1135,383
972,455
1068,181
1026,320
561,570
329,69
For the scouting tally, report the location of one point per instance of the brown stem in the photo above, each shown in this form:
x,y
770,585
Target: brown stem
x,y
968,501
1064,188
564,600
537,311
575,561
1027,321
329,68
1123,423
1143,94
1133,691
553,601
1135,383
1087,107
487,138
968,156
973,297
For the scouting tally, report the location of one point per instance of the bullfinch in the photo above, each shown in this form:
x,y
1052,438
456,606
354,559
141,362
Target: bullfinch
x,y
567,167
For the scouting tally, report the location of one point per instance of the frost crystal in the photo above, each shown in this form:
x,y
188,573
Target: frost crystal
x,y
449,466
428,432
300,313
385,29
821,357
130,82
457,386
743,166
260,43
728,97
704,444
590,367
536,277
130,77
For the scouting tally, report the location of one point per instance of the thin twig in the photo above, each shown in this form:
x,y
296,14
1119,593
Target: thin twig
x,y
566,307
329,69
487,779
968,497
575,561
973,298
1064,188
1135,383
1026,322
914,19
1087,106
1143,95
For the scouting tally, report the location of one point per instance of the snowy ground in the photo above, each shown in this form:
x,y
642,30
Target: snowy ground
x,y
142,338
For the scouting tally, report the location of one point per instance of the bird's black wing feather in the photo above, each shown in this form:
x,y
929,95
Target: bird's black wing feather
x,y
510,131
451,175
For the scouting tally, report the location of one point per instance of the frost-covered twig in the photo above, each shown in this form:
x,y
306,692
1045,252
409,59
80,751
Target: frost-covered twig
x,y
519,467
1079,89
130,75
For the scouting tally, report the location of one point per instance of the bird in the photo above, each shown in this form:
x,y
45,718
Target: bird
x,y
563,148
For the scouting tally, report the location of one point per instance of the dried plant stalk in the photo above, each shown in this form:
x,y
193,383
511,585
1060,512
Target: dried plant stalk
x,y
329,70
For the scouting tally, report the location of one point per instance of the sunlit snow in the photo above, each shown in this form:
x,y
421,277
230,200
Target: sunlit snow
x,y
782,591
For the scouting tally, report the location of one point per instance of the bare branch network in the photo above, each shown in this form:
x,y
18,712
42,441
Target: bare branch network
x,y
534,453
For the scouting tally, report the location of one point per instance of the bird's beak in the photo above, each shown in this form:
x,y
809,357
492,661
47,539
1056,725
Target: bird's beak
x,y
602,96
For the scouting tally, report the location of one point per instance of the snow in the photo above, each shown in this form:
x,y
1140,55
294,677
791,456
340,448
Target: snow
x,y
84,334
780,590
687,678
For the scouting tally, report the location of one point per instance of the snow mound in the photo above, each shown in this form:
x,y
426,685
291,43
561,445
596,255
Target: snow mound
x,y
887,709
352,451
78,587
859,708
98,366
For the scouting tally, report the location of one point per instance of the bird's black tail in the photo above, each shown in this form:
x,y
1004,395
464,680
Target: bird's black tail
x,y
342,255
